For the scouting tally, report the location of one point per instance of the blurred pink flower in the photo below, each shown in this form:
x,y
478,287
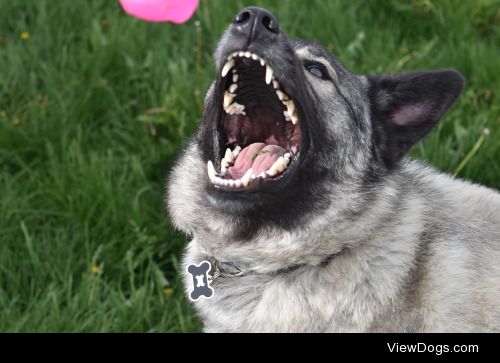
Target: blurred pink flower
x,y
175,11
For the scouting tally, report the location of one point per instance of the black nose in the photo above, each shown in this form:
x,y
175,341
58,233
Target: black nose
x,y
256,23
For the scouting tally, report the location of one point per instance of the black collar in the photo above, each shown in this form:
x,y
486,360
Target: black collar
x,y
230,269
225,269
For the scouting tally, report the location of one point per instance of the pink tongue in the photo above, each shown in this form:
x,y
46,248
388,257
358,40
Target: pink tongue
x,y
258,156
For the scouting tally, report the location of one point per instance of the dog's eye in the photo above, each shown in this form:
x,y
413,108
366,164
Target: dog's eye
x,y
317,70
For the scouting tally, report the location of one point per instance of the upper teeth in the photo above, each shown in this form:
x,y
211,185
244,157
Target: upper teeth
x,y
281,95
231,62
211,170
291,111
269,75
228,98
287,116
295,118
233,87
233,108
290,106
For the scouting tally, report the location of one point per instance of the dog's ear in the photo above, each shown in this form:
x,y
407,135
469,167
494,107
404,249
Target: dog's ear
x,y
406,106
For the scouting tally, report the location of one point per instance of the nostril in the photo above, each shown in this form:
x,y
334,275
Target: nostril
x,y
242,17
266,21
255,23
270,24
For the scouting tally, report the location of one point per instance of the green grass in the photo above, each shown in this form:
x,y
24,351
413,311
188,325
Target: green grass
x,y
95,105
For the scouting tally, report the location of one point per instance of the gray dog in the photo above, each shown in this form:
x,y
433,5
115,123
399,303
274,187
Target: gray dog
x,y
297,190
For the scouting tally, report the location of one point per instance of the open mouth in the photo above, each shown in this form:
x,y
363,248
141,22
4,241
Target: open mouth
x,y
260,133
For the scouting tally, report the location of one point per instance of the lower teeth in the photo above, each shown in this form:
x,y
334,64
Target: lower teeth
x,y
278,167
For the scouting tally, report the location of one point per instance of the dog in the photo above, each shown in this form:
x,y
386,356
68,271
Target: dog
x,y
298,192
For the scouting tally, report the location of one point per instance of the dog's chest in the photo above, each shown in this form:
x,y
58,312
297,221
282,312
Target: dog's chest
x,y
256,303
295,302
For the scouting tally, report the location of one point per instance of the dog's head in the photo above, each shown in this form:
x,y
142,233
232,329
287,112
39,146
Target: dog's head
x,y
289,133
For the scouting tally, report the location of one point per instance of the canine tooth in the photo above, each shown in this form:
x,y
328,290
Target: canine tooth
x,y
227,67
269,75
262,62
236,150
233,87
211,170
246,178
248,54
228,98
255,56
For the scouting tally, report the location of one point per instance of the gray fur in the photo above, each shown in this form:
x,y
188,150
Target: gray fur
x,y
406,250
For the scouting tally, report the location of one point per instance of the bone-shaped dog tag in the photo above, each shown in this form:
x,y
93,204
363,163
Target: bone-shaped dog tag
x,y
200,280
